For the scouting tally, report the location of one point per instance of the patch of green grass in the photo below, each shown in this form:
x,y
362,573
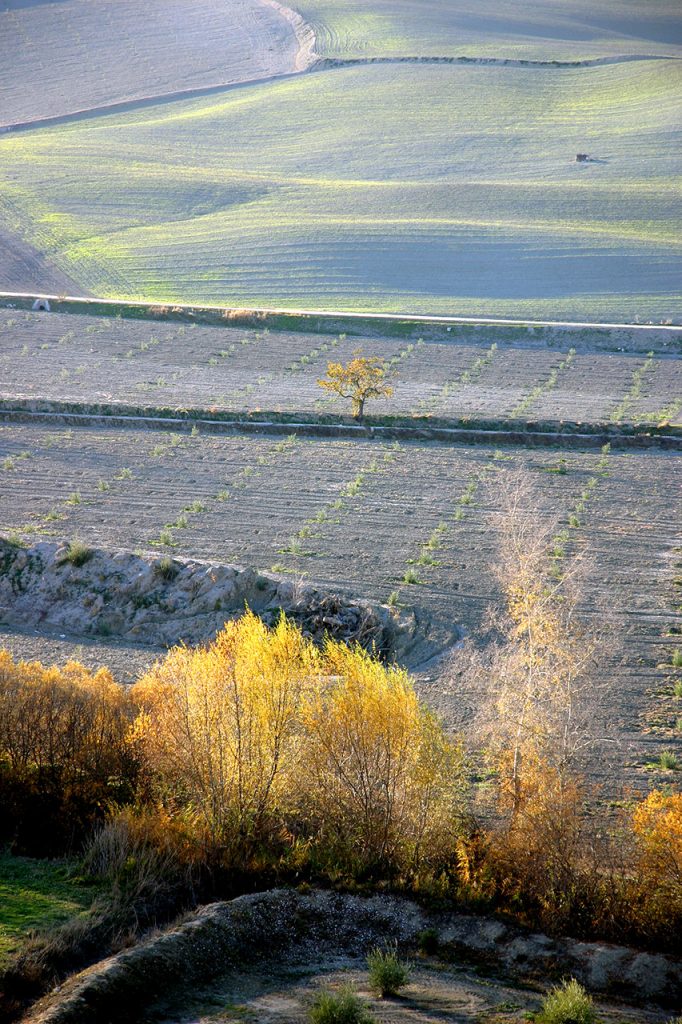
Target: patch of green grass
x,y
342,1007
668,761
36,895
568,1003
76,197
77,553
387,972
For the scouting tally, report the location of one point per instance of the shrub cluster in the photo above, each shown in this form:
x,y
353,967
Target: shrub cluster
x,y
262,740
64,753
262,757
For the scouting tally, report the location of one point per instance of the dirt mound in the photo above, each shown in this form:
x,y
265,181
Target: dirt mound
x,y
223,936
94,592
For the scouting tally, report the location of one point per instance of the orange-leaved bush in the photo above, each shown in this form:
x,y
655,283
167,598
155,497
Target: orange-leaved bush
x,y
657,828
382,783
262,738
64,754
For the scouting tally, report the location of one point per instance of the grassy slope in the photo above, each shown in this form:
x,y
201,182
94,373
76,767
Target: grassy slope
x,y
545,30
427,188
71,54
35,895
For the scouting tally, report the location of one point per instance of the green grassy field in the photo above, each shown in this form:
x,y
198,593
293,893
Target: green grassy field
x,y
36,895
426,188
545,30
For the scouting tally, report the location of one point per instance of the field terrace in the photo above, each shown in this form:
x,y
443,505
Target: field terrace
x,y
86,360
361,517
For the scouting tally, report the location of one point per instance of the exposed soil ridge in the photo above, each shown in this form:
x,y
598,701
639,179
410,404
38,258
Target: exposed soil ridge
x,y
222,936
526,433
306,56
165,602
326,63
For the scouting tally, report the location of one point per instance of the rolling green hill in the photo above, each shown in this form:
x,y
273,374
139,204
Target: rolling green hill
x,y
435,188
543,30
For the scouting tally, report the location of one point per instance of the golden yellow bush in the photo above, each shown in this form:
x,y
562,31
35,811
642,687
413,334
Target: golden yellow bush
x,y
219,726
657,826
261,735
64,755
382,782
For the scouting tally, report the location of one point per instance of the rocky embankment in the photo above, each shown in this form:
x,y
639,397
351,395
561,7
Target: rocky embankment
x,y
282,923
164,601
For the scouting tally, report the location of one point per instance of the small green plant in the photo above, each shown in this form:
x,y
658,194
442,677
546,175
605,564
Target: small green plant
x,y
568,1003
411,578
387,973
165,568
393,599
428,941
74,498
668,761
77,553
677,688
342,1007
677,658
103,485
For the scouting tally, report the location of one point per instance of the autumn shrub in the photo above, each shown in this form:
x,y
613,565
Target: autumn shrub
x,y
657,883
219,729
64,754
262,745
382,786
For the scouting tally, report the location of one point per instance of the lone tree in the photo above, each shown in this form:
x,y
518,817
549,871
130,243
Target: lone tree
x,y
359,379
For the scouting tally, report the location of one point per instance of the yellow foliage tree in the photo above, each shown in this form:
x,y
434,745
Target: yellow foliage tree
x,y
261,735
361,378
384,784
541,676
219,727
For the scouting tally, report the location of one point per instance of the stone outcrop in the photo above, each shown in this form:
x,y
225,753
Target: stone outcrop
x,y
224,936
164,601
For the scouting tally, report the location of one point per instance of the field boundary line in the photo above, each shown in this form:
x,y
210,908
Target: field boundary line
x,y
329,63
451,435
355,315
